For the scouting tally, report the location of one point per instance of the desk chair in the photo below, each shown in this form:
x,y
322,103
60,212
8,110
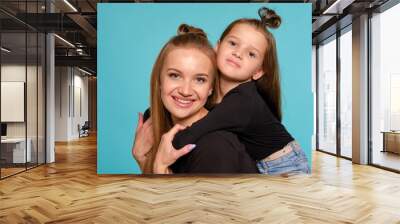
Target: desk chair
x,y
84,130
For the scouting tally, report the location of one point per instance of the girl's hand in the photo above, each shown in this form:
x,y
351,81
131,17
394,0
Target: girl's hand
x,y
167,154
144,140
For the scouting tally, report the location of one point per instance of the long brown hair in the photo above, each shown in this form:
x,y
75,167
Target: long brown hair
x,y
188,37
269,84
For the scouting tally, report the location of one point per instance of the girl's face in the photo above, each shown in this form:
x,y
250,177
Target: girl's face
x,y
185,83
240,54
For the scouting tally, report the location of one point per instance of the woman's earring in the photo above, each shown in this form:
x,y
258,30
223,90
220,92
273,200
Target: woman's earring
x,y
210,92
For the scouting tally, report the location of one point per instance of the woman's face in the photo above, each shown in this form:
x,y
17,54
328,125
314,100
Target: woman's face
x,y
185,83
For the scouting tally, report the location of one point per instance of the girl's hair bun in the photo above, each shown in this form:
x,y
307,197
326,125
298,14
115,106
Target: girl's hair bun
x,y
187,29
269,18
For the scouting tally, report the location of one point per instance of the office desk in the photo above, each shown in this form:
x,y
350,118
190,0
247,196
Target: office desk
x,y
391,141
16,147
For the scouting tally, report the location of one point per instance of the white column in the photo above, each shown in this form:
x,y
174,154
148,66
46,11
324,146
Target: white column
x,y
50,85
50,100
360,90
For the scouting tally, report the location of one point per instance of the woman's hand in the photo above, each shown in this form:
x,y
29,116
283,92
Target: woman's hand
x,y
144,140
167,154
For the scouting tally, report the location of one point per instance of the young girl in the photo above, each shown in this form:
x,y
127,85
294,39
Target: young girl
x,y
249,95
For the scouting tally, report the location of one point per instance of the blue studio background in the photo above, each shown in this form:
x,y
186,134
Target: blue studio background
x,y
130,37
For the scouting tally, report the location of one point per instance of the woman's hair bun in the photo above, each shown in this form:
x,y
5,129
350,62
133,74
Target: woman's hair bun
x,y
187,29
269,18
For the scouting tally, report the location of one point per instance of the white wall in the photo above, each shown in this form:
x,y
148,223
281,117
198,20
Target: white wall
x,y
71,93
12,73
33,127
62,81
12,101
80,110
15,72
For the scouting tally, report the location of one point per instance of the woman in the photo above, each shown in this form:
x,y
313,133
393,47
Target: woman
x,y
183,78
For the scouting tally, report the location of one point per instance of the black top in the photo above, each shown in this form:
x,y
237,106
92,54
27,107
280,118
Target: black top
x,y
216,152
244,112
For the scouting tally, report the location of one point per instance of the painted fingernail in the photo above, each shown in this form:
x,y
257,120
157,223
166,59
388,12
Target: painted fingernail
x,y
192,146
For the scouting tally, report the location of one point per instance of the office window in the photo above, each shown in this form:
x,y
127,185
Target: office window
x,y
385,89
346,92
327,95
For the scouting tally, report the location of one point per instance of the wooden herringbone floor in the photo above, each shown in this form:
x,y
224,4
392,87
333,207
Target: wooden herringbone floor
x,y
70,191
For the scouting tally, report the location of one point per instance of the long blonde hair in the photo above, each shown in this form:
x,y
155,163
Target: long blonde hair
x,y
188,37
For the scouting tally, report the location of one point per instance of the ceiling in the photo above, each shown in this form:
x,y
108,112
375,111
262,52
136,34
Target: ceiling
x,y
76,22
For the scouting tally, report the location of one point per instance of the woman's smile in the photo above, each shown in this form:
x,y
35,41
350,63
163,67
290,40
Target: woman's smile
x,y
182,102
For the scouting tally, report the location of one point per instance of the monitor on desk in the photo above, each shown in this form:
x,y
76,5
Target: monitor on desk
x,y
3,130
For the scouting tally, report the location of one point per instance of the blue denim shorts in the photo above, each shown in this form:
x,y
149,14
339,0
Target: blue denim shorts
x,y
295,162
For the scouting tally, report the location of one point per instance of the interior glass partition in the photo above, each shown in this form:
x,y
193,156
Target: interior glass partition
x,y
13,108
22,88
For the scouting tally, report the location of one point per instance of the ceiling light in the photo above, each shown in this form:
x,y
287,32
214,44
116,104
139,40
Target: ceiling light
x,y
71,6
65,41
84,71
337,7
5,50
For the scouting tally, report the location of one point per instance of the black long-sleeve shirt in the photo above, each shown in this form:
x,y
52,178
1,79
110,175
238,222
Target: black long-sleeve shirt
x,y
244,112
216,152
